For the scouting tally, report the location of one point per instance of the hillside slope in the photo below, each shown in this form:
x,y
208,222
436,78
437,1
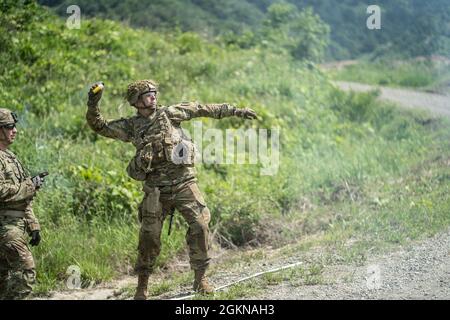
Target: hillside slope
x,y
409,28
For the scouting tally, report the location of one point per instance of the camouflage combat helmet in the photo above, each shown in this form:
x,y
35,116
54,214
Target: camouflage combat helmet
x,y
7,117
136,88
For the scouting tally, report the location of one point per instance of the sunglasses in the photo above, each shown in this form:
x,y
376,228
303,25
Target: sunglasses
x,y
149,93
9,126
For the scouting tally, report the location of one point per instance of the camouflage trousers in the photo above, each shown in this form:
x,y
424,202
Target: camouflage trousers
x,y
17,269
157,204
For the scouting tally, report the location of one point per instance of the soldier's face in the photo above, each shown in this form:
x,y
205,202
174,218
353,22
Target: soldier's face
x,y
9,134
149,99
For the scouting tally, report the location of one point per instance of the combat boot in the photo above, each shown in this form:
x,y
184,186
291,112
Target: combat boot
x,y
201,284
141,290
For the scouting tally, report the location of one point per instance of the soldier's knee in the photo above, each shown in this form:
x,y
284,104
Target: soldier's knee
x,y
18,255
197,236
198,227
150,242
150,224
206,215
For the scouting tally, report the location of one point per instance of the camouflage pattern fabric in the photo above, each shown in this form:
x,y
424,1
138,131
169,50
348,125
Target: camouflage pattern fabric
x,y
6,117
157,204
161,134
168,184
17,269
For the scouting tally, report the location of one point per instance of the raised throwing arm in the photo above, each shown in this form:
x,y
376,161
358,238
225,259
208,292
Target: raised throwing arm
x,y
117,129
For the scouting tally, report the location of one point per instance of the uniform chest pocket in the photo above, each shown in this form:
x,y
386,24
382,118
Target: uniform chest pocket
x,y
158,150
11,174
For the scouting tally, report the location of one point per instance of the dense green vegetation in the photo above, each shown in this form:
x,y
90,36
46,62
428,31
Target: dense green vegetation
x,y
408,28
329,140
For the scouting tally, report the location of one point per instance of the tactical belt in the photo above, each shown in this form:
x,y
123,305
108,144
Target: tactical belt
x,y
12,213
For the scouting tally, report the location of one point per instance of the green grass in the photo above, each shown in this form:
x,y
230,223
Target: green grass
x,y
168,284
396,211
427,75
393,211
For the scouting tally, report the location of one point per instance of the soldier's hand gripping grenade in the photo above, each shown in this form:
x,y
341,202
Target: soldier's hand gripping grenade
x,y
97,87
95,94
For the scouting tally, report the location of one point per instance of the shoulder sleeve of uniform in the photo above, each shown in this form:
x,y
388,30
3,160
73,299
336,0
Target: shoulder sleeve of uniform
x,y
120,129
3,156
11,190
181,112
3,165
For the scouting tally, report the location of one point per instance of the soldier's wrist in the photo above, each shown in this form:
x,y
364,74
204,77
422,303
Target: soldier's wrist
x,y
34,226
91,104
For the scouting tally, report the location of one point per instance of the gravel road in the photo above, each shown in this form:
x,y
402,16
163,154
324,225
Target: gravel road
x,y
437,104
417,271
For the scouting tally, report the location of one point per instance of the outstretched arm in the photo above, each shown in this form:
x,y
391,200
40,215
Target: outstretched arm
x,y
187,111
116,129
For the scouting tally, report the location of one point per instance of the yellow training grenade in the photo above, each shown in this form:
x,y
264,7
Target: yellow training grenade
x,y
98,87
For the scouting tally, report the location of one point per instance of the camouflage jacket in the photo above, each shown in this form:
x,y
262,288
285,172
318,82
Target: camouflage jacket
x,y
16,188
157,138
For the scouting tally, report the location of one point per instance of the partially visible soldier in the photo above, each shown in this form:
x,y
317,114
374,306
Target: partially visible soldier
x,y
164,161
17,189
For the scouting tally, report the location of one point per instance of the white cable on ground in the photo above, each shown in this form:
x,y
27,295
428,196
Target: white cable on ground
x,y
245,279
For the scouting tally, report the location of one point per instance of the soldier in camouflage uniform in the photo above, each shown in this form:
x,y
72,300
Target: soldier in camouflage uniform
x,y
17,221
164,162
